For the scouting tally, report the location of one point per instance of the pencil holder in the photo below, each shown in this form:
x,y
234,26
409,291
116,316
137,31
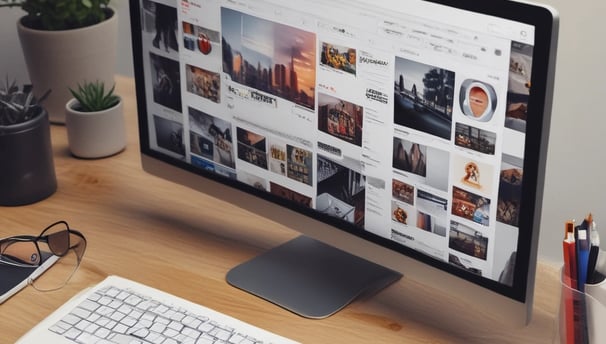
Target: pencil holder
x,y
582,316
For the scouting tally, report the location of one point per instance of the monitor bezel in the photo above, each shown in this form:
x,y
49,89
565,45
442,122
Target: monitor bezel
x,y
365,244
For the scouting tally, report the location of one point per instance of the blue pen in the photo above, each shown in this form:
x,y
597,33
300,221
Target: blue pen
x,y
582,257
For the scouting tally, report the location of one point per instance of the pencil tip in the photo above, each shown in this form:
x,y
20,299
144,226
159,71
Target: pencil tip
x,y
569,227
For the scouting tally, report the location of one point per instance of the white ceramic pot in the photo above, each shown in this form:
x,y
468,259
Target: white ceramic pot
x,y
95,134
60,59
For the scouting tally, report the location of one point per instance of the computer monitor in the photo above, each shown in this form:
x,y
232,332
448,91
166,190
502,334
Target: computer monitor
x,y
400,137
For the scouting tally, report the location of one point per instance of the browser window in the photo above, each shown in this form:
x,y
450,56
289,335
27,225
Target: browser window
x,y
301,100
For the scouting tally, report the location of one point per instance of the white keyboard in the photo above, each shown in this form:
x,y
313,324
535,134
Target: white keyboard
x,y
121,311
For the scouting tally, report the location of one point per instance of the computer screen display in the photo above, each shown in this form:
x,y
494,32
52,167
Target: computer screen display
x,y
418,126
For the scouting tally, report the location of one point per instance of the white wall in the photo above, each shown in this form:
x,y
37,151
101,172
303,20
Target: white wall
x,y
575,177
574,180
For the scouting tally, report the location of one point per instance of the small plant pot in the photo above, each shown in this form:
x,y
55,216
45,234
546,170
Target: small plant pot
x,y
95,134
27,170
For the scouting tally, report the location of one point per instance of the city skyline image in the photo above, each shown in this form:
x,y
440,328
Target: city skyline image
x,y
271,57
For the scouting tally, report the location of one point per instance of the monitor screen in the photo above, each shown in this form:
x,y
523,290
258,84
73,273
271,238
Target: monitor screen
x,y
416,128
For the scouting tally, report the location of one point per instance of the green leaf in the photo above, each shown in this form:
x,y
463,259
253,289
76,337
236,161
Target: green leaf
x,y
92,96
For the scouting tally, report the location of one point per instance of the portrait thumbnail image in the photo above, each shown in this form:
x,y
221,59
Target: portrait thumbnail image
x,y
203,83
211,138
169,135
478,100
270,57
410,157
299,164
431,214
160,21
166,81
341,191
473,174
510,190
340,119
423,97
200,39
520,68
426,164
277,157
338,57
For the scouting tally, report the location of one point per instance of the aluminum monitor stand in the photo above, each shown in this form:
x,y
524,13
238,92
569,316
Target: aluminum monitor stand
x,y
310,278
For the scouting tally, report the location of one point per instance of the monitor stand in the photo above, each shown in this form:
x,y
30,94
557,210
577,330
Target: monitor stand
x,y
310,278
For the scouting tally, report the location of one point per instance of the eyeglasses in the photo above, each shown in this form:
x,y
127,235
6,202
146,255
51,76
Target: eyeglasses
x,y
54,244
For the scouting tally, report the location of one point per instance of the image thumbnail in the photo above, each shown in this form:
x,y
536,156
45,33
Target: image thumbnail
x,y
510,190
432,213
466,240
299,164
403,192
211,138
204,83
200,39
478,100
277,157
520,67
166,82
479,140
340,192
340,119
252,180
289,194
409,156
161,21
169,135
430,223
401,213
473,174
338,57
271,57
423,97
458,262
252,148
470,206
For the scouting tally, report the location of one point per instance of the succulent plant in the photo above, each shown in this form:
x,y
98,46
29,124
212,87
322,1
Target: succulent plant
x,y
91,96
18,106
60,14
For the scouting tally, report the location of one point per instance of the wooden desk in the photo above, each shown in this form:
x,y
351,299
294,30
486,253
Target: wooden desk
x,y
184,242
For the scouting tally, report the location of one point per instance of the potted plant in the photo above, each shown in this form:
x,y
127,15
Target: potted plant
x,y
95,121
27,171
65,41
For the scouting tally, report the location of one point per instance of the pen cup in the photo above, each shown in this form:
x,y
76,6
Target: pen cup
x,y
582,315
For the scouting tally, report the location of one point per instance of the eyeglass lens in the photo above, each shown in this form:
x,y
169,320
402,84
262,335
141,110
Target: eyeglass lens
x,y
20,252
67,244
57,238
